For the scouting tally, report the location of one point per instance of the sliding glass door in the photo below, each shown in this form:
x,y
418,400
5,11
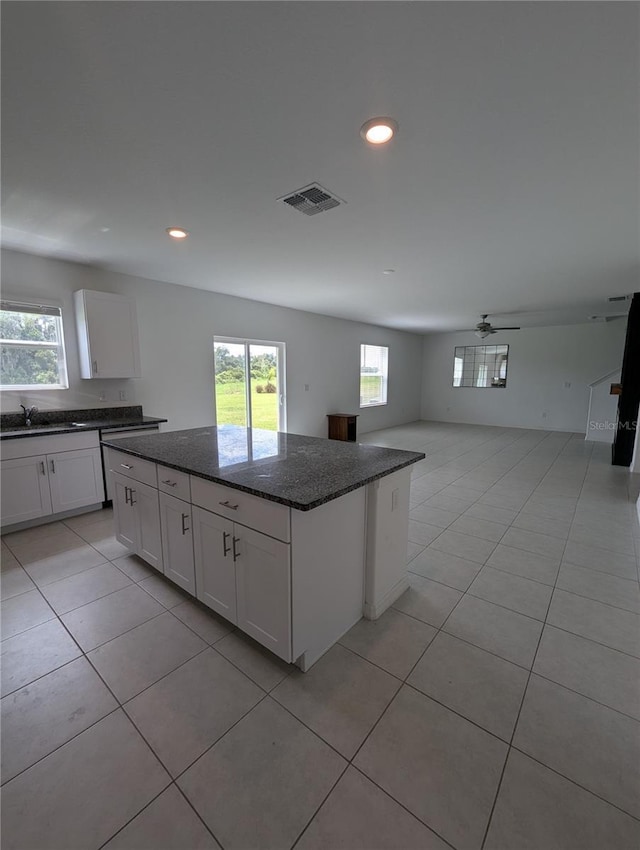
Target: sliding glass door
x,y
249,383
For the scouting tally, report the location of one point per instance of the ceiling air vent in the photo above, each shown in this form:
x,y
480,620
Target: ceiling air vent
x,y
614,298
312,200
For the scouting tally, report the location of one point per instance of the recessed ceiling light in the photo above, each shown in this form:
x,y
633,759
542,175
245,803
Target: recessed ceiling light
x,y
177,232
377,131
388,271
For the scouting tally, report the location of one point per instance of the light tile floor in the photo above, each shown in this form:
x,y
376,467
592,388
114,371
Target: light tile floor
x,y
496,705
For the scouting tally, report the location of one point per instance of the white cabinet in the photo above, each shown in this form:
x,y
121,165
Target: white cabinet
x,y
75,479
245,576
25,489
38,481
177,542
126,519
215,568
263,588
251,511
145,500
137,519
107,335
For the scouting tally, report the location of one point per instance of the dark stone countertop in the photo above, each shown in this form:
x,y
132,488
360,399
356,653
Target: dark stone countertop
x,y
48,422
300,472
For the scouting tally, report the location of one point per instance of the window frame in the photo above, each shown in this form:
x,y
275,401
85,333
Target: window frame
x,y
281,376
462,373
385,375
10,305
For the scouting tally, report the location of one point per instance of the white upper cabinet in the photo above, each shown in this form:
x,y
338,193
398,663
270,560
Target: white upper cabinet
x,y
107,335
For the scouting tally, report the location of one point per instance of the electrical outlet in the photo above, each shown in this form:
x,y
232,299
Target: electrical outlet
x,y
306,388
123,395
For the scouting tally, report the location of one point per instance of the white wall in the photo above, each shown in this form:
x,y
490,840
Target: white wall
x,y
177,325
542,361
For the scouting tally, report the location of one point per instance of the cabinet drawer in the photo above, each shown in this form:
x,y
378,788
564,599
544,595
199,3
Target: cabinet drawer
x,y
133,467
261,514
174,482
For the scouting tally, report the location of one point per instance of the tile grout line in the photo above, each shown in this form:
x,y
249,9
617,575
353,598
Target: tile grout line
x,y
576,783
522,701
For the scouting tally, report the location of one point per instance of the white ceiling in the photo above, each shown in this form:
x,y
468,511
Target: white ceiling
x,y
511,186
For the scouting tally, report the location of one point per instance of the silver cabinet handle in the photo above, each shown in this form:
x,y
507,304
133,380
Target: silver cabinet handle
x,y
132,501
126,495
170,483
225,549
53,466
185,528
95,367
228,504
126,466
42,469
236,554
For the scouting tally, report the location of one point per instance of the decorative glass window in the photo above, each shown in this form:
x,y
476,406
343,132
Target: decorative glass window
x,y
374,363
480,365
31,347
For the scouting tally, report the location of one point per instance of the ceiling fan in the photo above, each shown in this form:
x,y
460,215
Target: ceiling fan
x,y
484,328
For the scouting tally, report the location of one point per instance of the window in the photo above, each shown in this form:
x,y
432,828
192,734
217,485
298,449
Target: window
x,y
250,383
31,347
374,360
480,366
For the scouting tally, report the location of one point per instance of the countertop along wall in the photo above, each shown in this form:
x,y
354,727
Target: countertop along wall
x,y
176,327
541,362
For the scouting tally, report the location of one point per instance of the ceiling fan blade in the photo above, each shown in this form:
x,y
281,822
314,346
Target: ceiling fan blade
x,y
507,329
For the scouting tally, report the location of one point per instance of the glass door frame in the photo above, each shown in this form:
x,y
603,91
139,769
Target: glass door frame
x,y
280,375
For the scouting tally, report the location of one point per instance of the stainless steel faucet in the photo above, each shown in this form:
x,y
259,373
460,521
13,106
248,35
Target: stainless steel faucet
x,y
29,412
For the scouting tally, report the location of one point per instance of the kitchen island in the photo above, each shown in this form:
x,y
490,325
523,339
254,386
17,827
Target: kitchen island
x,y
291,538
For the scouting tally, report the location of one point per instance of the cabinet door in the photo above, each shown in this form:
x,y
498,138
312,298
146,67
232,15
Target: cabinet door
x,y
145,501
124,513
75,479
107,335
25,489
263,583
215,570
177,541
